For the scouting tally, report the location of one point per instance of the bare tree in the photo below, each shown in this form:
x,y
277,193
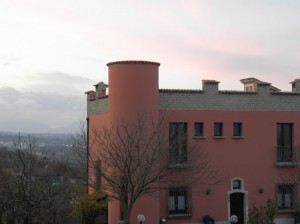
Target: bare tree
x,y
86,204
32,188
136,158
79,147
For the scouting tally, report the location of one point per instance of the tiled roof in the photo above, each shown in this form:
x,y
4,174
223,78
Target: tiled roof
x,y
251,79
101,83
180,91
236,92
264,83
258,82
285,93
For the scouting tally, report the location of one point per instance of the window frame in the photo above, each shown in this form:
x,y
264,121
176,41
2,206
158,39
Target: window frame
x,y
240,182
218,129
199,125
97,175
177,193
237,129
281,201
178,143
284,142
236,184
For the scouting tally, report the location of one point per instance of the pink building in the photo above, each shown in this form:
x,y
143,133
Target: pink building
x,y
249,135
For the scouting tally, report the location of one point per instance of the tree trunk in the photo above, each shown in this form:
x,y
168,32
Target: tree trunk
x,y
126,213
26,221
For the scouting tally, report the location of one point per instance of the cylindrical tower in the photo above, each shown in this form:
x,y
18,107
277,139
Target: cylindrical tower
x,y
133,89
133,92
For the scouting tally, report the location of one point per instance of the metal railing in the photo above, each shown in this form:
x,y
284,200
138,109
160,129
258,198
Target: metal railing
x,y
179,202
288,154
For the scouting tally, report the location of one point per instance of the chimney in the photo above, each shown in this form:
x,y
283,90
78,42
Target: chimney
x,y
296,86
100,89
210,86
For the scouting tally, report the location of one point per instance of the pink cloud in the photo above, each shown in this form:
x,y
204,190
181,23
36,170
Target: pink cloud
x,y
235,44
298,56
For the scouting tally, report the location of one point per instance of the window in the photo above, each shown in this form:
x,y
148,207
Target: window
x,y
237,185
249,88
237,129
97,175
179,202
284,142
178,143
218,129
198,129
285,196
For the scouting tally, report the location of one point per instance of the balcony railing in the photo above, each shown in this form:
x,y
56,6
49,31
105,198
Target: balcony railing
x,y
184,213
288,154
179,202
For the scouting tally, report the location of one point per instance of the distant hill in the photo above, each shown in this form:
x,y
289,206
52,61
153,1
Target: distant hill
x,y
30,126
43,138
57,145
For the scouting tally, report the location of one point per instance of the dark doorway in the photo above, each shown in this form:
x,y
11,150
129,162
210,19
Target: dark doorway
x,y
237,206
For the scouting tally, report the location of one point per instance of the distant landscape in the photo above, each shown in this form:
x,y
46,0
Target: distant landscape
x,y
57,145
34,126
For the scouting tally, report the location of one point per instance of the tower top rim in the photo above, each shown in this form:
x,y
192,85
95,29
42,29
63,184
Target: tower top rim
x,y
133,62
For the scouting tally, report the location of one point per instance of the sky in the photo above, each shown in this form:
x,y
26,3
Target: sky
x,y
52,51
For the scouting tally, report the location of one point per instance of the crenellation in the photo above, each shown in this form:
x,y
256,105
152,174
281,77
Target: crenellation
x,y
265,98
100,89
296,86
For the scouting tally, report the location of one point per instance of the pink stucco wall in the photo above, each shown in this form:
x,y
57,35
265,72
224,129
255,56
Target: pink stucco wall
x,y
133,89
251,158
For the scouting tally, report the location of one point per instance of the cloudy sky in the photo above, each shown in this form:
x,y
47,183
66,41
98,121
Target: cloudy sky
x,y
52,51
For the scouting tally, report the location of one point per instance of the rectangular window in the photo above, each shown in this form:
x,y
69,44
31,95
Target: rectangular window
x,y
97,175
237,129
237,185
284,142
285,196
198,127
179,202
177,143
249,88
218,129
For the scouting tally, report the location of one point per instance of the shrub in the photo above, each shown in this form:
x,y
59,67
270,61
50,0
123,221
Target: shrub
x,y
262,214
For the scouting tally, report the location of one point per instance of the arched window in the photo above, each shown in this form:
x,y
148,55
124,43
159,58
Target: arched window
x,y
237,184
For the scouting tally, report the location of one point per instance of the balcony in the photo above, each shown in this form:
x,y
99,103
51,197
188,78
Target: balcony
x,y
288,156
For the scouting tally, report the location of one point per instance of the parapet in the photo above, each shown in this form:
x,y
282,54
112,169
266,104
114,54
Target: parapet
x,y
133,87
262,96
99,92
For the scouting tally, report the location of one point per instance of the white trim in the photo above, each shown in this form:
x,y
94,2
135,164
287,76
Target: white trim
x,y
242,183
284,221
